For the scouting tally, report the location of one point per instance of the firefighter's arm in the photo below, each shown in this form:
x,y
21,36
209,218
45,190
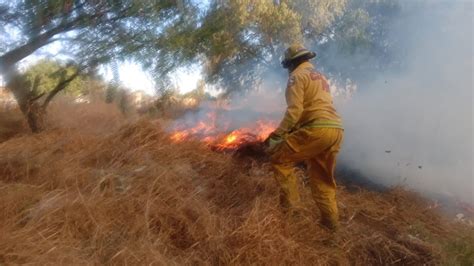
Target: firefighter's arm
x,y
294,100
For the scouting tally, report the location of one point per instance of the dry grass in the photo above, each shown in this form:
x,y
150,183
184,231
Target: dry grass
x,y
11,124
99,190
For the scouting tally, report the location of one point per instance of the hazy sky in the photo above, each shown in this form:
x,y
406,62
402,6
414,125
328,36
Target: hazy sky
x,y
132,76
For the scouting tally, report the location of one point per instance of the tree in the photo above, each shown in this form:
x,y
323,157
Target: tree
x,y
93,31
29,90
358,42
50,72
237,41
240,41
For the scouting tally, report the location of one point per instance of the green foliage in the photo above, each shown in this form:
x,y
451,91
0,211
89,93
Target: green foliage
x,y
358,43
50,73
457,246
239,41
317,16
352,32
235,40
459,249
93,31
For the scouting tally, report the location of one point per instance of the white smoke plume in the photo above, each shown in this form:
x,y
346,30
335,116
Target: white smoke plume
x,y
414,127
410,126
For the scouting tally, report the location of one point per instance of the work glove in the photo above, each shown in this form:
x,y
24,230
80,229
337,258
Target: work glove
x,y
272,141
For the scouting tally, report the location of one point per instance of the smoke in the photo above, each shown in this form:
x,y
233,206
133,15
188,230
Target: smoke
x,y
414,126
265,102
412,123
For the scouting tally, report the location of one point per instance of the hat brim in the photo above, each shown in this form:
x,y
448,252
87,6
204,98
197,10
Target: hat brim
x,y
307,54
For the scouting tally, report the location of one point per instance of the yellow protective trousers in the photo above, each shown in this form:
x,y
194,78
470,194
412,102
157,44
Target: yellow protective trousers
x,y
318,148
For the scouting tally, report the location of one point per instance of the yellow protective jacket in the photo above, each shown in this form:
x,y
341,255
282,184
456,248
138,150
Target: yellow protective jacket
x,y
309,102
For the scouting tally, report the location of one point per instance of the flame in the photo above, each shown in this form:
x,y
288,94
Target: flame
x,y
219,138
230,138
179,136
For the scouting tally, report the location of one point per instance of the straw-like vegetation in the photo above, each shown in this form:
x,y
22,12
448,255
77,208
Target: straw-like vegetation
x,y
11,124
96,189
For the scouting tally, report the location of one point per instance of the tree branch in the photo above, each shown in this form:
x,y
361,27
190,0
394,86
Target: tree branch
x,y
37,97
11,57
35,86
31,97
59,87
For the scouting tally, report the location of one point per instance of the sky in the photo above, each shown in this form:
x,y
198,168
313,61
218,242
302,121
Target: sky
x,y
132,76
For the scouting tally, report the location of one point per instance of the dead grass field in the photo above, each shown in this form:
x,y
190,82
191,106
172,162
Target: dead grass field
x,y
11,124
96,189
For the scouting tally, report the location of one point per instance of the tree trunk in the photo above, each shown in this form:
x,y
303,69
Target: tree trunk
x,y
32,111
29,106
35,116
24,92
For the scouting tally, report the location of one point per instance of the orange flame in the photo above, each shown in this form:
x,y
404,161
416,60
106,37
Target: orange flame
x,y
179,136
219,139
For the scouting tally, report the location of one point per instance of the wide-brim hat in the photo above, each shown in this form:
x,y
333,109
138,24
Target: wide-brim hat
x,y
296,51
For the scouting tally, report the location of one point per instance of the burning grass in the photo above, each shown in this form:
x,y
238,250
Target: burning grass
x,y
124,193
210,131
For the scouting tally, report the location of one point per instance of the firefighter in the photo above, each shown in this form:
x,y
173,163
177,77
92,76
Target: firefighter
x,y
311,131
